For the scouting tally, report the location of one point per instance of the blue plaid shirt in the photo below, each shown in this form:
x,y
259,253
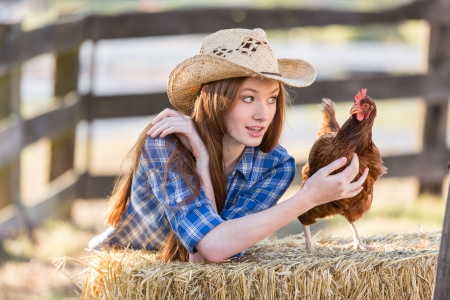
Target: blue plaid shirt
x,y
256,184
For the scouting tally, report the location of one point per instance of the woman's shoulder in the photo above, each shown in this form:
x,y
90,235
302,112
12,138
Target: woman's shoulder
x,y
257,164
159,146
159,142
276,158
278,154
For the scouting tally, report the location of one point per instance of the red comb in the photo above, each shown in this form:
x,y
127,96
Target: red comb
x,y
360,95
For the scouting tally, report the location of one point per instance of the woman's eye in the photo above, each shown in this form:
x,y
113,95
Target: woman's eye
x,y
248,99
272,100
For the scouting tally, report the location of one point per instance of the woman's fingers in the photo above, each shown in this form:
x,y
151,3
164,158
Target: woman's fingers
x,y
335,165
171,122
168,113
165,113
338,186
351,170
352,189
349,173
358,183
354,193
170,126
167,121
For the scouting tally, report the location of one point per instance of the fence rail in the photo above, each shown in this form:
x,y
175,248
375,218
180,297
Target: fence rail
x,y
58,124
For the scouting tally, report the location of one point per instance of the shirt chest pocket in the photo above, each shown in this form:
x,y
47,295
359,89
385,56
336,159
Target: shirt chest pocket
x,y
237,186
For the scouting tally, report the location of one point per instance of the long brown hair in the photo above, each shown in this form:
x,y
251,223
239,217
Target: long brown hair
x,y
208,113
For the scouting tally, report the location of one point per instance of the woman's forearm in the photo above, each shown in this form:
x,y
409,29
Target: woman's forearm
x,y
234,236
202,168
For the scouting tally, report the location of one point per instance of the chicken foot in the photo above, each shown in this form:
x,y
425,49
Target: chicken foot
x,y
358,244
308,238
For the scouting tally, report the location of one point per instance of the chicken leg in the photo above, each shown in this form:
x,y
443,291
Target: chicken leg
x,y
308,238
358,244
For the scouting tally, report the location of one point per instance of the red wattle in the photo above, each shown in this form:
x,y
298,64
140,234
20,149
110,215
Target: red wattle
x,y
360,116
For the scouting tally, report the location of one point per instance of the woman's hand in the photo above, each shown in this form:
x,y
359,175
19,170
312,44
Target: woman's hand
x,y
170,121
323,187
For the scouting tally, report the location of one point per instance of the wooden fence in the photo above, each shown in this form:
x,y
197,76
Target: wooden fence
x,y
64,40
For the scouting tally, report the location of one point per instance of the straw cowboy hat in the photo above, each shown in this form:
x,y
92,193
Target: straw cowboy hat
x,y
233,53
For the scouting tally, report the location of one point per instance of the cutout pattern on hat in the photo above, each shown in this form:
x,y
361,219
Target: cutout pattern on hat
x,y
222,51
249,45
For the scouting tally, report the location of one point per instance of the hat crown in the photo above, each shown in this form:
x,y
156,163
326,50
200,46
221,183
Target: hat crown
x,y
248,48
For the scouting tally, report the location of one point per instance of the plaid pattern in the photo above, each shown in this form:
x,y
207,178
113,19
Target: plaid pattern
x,y
256,184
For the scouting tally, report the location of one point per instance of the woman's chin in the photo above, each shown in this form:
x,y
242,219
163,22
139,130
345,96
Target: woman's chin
x,y
255,142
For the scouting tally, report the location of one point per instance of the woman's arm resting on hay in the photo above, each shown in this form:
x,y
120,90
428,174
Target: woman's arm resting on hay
x,y
236,235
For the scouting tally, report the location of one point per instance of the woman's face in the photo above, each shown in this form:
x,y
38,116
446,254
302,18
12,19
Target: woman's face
x,y
252,113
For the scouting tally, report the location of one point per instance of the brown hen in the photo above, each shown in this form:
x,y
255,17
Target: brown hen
x,y
333,142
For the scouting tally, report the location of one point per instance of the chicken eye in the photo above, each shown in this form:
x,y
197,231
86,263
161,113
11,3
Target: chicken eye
x,y
365,105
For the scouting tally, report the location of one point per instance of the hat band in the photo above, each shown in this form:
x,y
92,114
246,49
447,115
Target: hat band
x,y
270,73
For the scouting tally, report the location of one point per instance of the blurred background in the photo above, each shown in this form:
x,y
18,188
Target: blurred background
x,y
117,67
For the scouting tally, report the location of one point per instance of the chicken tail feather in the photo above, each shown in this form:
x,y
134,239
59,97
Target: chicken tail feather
x,y
329,123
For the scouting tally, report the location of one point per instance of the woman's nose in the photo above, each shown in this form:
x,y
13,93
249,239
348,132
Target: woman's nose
x,y
262,112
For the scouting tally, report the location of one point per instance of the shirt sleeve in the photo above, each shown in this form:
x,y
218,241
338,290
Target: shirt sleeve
x,y
190,220
265,192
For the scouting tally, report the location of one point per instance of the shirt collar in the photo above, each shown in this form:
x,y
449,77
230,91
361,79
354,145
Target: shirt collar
x,y
245,163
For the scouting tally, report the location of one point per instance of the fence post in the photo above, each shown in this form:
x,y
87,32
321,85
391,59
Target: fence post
x,y
435,127
10,187
87,99
9,106
63,146
16,195
442,287
6,193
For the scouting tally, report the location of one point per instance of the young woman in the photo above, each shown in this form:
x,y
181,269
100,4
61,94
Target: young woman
x,y
206,177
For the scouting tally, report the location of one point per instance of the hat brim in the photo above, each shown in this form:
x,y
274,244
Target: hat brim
x,y
186,79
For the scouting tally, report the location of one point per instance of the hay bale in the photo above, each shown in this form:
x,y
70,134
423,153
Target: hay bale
x,y
401,267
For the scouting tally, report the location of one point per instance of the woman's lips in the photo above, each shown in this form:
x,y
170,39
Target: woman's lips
x,y
255,131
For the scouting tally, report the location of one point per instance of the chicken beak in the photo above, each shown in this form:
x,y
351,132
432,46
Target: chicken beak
x,y
355,110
